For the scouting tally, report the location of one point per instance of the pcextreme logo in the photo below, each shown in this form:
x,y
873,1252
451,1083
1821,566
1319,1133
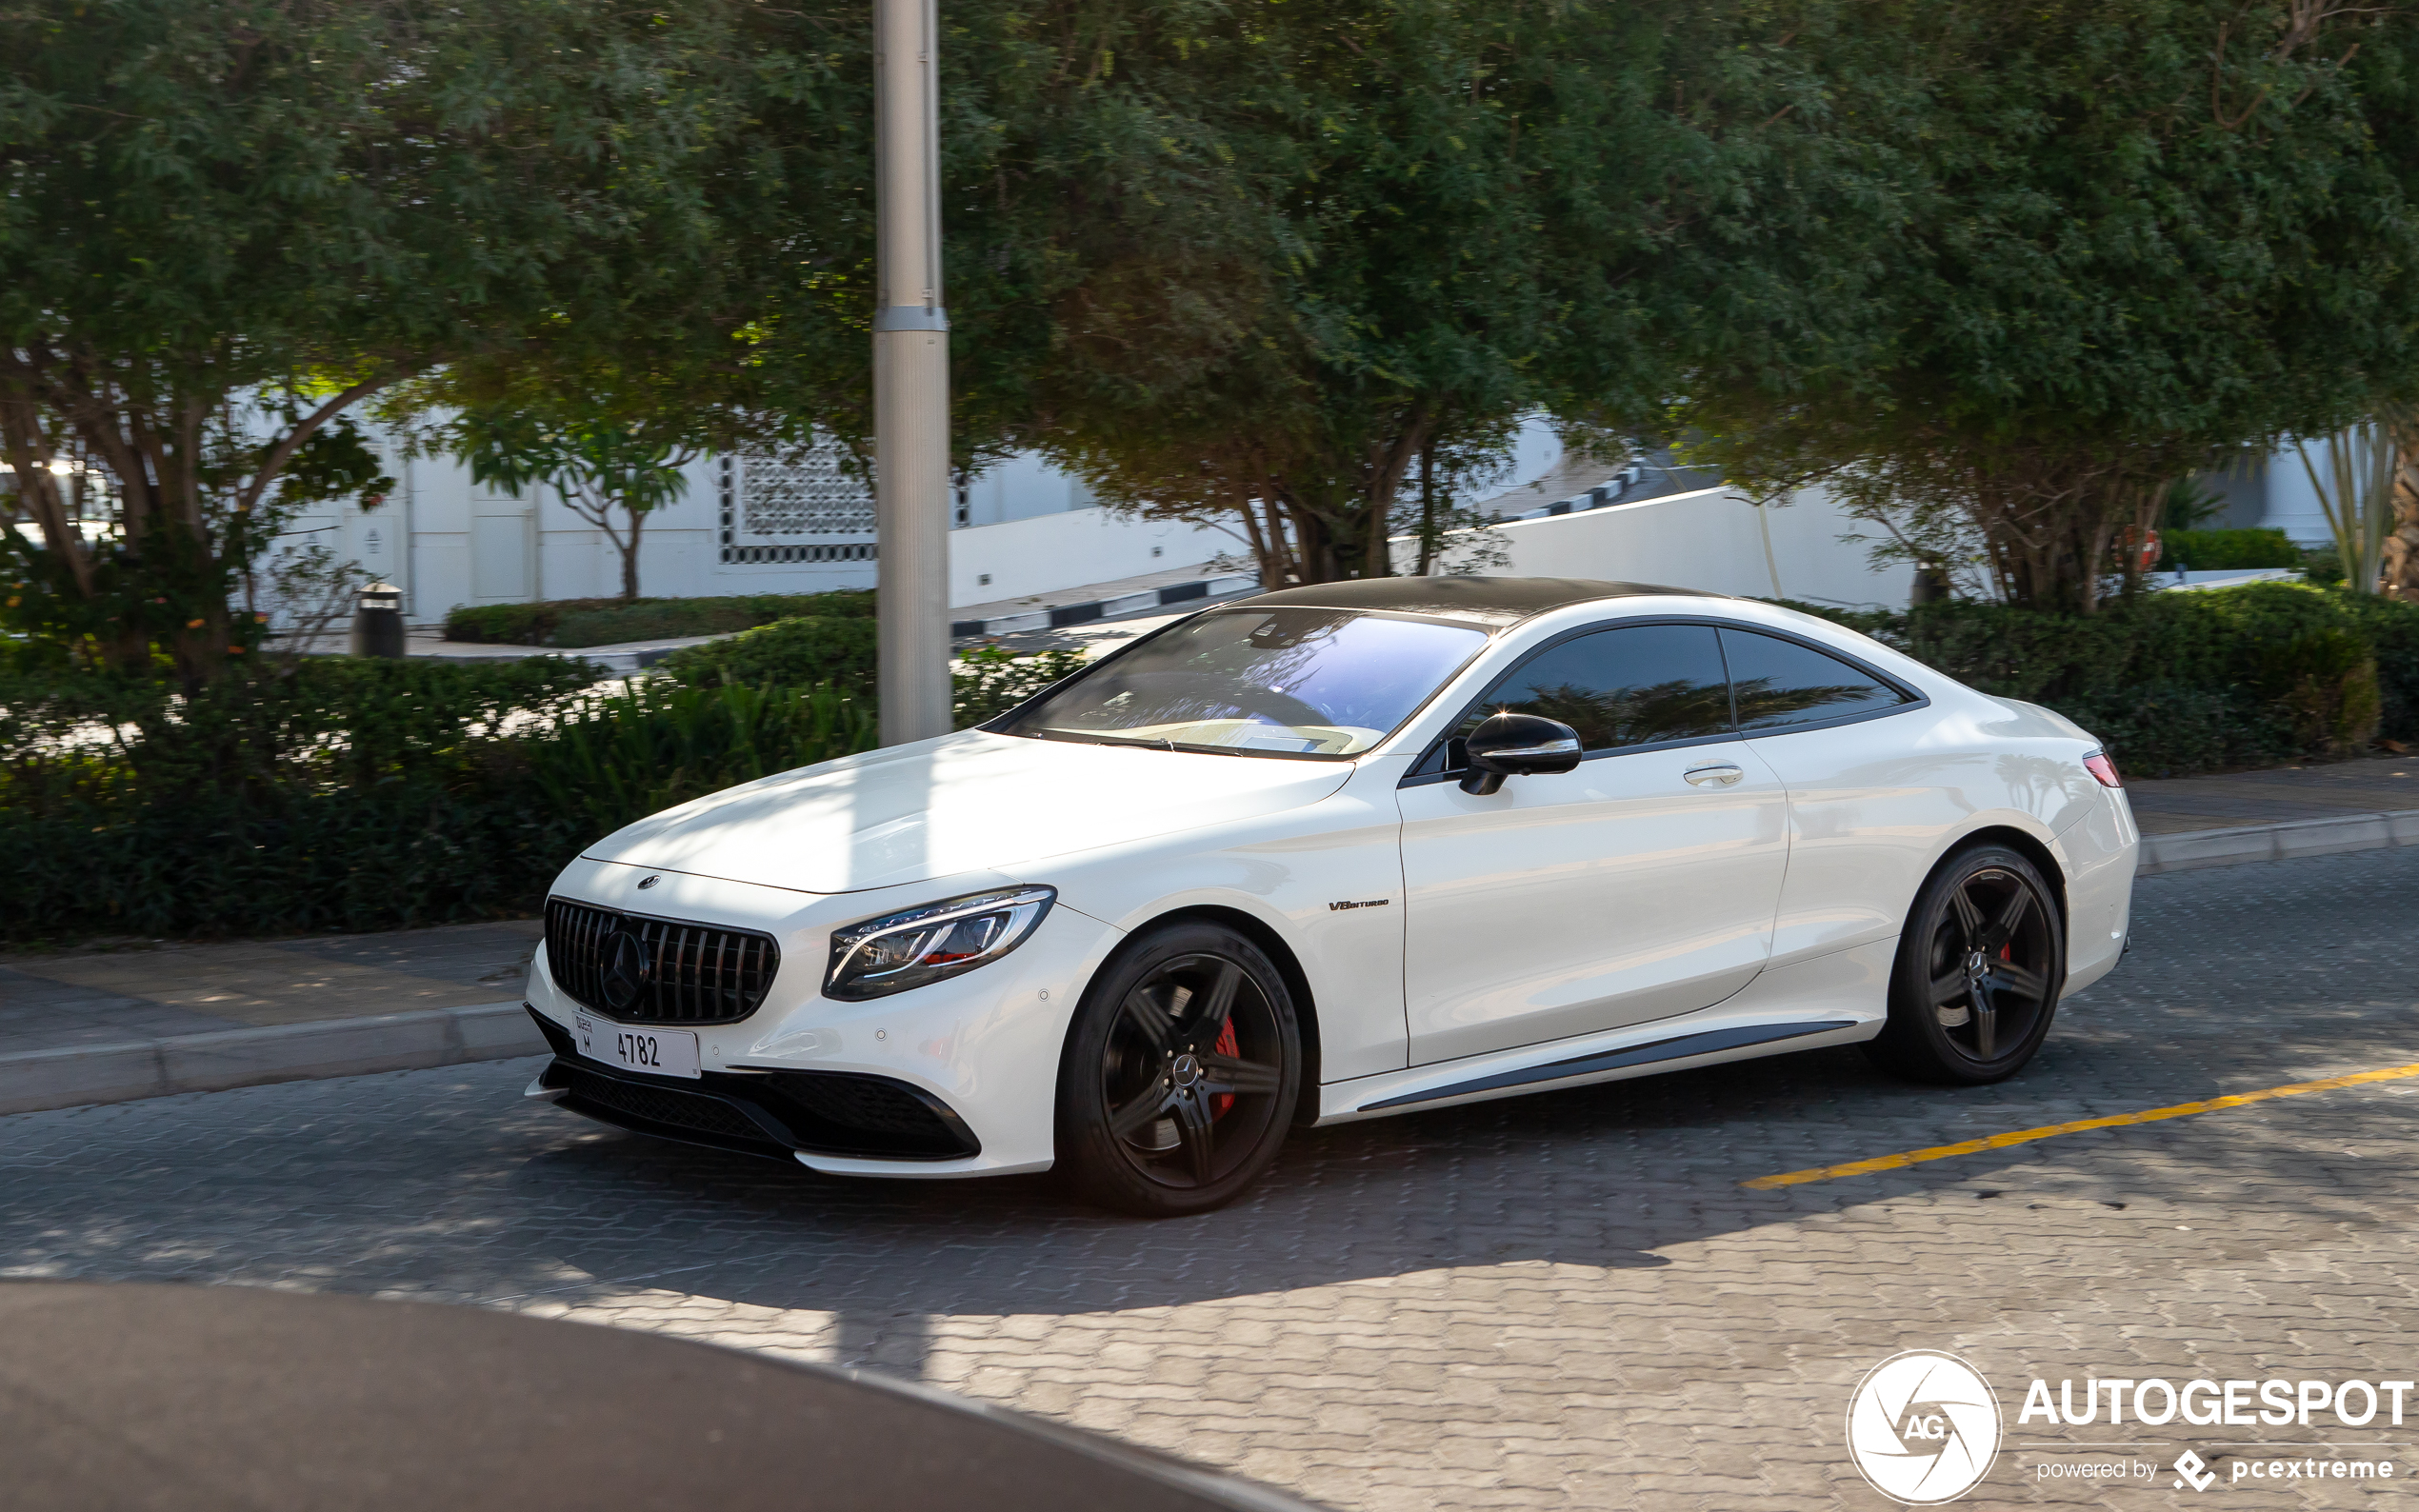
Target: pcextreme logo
x,y
1923,1427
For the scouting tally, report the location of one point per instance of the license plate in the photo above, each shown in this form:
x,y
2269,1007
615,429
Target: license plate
x,y
657,1052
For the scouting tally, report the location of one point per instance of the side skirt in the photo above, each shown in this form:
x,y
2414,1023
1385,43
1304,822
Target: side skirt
x,y
1679,1047
1834,999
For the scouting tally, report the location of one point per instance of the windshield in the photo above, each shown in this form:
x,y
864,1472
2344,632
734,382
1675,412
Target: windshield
x,y
1260,682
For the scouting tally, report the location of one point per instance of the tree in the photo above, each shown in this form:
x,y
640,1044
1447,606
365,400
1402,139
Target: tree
x,y
1457,215
601,466
225,224
2134,236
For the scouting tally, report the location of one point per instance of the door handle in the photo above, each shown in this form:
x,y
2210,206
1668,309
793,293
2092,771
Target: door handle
x,y
1722,776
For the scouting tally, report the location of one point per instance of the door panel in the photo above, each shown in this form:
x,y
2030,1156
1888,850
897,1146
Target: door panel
x,y
1610,895
500,549
1866,806
1613,894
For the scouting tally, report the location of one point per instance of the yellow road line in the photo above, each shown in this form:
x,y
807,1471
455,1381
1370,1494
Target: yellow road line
x,y
2026,1136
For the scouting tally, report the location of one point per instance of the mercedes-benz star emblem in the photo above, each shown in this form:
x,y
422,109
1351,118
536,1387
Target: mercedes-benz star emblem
x,y
1185,1072
625,969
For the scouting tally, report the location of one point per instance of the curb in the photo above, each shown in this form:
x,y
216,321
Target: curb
x,y
72,1076
2194,849
1066,614
78,1075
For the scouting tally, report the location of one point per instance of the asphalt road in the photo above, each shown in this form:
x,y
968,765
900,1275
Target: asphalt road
x,y
1556,1300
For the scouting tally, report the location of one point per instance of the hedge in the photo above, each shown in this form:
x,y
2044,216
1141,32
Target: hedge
x,y
811,648
2217,550
570,624
368,794
2185,682
354,795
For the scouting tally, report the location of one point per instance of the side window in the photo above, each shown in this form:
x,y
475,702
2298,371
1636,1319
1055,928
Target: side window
x,y
1631,685
1781,683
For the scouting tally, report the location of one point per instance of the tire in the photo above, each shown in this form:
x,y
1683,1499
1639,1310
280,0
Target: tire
x,y
1180,1075
1978,974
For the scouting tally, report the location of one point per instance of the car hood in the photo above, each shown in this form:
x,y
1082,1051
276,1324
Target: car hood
x,y
969,802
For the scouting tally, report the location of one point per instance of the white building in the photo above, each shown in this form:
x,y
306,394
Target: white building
x,y
796,521
760,521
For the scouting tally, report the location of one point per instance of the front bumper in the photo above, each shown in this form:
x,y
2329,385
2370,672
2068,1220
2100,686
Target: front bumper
x,y
981,1049
840,1114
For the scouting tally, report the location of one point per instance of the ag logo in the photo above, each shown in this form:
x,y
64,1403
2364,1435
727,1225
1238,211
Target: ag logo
x,y
1923,1427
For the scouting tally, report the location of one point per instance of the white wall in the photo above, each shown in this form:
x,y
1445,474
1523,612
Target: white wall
x,y
2292,502
1712,540
1074,546
447,540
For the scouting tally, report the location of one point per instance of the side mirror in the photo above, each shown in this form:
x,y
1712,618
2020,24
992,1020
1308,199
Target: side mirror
x,y
1516,746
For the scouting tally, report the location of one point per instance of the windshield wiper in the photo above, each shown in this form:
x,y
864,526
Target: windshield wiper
x,y
1154,743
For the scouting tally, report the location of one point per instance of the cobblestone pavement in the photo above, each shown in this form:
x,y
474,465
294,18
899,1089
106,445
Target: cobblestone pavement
x,y
1556,1300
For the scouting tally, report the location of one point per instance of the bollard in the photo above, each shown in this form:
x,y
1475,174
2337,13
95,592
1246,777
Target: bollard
x,y
377,625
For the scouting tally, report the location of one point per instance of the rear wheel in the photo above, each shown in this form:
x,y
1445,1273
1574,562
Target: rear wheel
x,y
1180,1074
1978,973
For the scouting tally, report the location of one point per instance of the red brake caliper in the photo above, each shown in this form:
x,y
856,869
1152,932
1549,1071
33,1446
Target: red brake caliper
x,y
1225,1046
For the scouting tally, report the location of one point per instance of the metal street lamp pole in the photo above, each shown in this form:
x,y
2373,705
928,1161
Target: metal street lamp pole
x,y
910,377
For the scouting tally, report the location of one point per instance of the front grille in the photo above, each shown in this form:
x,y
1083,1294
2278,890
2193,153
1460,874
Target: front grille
x,y
694,973
662,1105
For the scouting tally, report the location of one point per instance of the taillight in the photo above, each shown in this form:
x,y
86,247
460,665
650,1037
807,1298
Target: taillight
x,y
2098,765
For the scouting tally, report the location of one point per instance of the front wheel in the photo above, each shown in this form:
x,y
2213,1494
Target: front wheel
x,y
1978,972
1180,1074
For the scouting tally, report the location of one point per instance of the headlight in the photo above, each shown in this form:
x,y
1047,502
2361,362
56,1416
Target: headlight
x,y
917,946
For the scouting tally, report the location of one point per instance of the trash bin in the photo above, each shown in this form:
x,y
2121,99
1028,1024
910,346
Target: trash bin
x,y
377,623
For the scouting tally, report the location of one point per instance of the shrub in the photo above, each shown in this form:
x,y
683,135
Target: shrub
x,y
2215,550
990,681
794,652
372,794
358,795
570,624
615,759
2178,682
2325,684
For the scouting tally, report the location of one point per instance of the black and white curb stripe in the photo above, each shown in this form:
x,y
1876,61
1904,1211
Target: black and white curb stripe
x,y
1063,615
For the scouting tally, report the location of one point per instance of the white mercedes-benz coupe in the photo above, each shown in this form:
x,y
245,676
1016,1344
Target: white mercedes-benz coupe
x,y
1334,852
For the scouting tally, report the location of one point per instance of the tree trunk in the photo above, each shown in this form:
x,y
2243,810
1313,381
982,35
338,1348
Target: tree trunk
x,y
1426,506
629,556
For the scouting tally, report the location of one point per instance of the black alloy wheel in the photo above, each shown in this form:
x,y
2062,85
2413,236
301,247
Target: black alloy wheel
x,y
1180,1075
1978,973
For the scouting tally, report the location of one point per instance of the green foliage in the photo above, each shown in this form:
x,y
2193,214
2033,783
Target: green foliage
x,y
1411,224
2212,550
2324,684
372,794
2186,504
225,222
791,651
2177,682
990,680
611,760
610,471
574,623
2120,239
357,795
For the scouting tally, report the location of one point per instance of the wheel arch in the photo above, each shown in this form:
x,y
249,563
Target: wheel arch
x,y
1280,954
2026,846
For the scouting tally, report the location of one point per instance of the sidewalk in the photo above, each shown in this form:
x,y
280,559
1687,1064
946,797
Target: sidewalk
x,y
111,1025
